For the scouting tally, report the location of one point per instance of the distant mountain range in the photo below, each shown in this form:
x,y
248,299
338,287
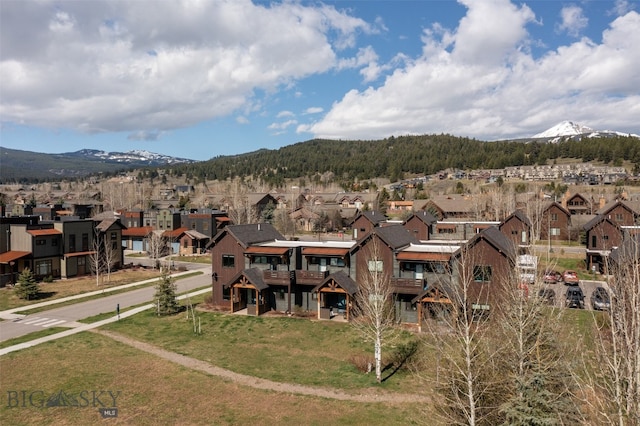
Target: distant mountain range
x,y
570,130
135,157
391,157
17,165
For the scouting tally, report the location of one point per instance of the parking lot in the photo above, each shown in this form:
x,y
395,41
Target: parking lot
x,y
560,289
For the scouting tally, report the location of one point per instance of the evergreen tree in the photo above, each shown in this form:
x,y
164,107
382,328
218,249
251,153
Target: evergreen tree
x,y
27,287
165,297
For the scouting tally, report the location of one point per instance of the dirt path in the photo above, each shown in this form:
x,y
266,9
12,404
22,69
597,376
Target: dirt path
x,y
259,383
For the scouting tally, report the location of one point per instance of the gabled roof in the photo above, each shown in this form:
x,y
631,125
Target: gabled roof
x,y
394,236
340,279
246,235
559,206
107,224
174,233
497,239
375,217
597,220
519,215
424,216
606,209
253,276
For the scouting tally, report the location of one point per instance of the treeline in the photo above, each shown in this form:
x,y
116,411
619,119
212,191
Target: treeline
x,y
396,157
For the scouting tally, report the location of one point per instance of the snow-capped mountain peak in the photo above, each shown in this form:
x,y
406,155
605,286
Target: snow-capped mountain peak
x,y
565,128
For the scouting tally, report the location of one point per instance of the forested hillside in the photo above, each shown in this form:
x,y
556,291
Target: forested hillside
x,y
395,157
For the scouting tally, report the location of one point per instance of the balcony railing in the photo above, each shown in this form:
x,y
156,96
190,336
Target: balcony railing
x,y
311,277
277,277
408,282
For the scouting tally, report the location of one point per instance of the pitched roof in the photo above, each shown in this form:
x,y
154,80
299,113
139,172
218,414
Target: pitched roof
x,y
140,231
519,214
249,234
607,208
596,221
497,239
375,217
424,216
395,236
343,281
254,276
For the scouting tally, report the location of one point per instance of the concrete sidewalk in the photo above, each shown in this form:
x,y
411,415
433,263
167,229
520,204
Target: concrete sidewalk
x,y
84,327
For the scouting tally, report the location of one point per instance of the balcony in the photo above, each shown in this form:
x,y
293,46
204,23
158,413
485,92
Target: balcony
x,y
311,277
418,283
277,277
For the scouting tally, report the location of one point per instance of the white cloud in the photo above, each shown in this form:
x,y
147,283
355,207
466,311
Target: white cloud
x,y
621,7
573,20
509,93
285,114
105,66
282,127
314,110
241,119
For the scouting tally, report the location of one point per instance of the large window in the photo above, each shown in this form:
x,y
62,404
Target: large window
x,y
85,242
41,242
72,243
43,267
555,231
482,273
228,261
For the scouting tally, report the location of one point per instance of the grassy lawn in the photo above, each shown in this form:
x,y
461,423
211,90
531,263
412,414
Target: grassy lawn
x,y
276,348
206,259
70,287
154,391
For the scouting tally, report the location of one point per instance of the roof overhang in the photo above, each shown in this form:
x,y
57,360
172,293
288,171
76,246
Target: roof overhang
x,y
11,256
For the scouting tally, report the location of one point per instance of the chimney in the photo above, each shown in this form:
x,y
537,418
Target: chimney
x,y
603,202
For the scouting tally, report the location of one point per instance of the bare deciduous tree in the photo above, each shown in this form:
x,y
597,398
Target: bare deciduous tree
x,y
616,385
156,246
374,309
458,332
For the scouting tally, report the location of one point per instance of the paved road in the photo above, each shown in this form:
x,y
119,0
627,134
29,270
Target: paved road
x,y
67,316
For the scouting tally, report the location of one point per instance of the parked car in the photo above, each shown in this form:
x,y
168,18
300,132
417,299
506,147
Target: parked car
x,y
570,277
600,299
547,295
551,276
574,298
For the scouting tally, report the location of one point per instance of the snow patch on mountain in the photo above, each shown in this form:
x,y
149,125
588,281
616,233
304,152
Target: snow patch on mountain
x,y
565,128
571,130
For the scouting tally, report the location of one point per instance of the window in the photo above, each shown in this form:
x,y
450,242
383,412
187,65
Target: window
x,y
205,226
446,230
54,242
619,217
605,238
114,236
72,243
333,261
193,225
228,261
554,217
226,293
41,242
555,231
185,244
43,267
375,266
408,306
482,273
514,232
85,242
81,261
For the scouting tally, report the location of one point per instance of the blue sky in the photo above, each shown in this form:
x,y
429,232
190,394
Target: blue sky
x,y
198,79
